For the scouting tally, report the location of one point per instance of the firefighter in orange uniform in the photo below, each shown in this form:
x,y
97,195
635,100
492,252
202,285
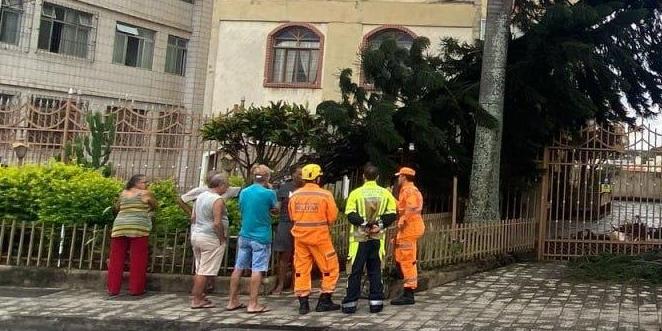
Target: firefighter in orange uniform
x,y
312,210
410,228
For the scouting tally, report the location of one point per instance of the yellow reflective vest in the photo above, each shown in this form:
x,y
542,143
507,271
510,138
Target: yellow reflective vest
x,y
370,201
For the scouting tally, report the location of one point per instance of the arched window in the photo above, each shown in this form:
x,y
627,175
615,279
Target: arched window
x,y
402,37
295,57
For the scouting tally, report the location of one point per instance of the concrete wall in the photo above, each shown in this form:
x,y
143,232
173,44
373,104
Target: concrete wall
x,y
27,70
638,185
241,28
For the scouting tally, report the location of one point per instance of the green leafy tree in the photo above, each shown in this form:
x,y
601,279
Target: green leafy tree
x,y
567,63
420,99
572,62
274,135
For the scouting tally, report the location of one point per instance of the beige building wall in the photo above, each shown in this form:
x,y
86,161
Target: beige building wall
x,y
26,70
241,28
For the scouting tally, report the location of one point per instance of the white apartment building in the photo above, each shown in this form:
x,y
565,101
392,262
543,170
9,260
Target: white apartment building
x,y
153,52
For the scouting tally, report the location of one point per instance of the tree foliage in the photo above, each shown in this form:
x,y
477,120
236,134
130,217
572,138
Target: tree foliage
x,y
567,63
594,59
418,99
275,135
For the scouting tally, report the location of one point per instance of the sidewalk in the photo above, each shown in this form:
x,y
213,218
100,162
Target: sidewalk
x,y
524,296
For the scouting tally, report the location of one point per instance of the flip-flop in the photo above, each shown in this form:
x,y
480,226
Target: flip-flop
x,y
205,305
240,306
263,310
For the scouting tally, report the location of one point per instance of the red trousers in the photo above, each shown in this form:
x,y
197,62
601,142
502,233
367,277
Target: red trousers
x,y
138,248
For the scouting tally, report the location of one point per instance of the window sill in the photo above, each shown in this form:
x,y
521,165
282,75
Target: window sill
x,y
42,52
126,66
11,47
173,74
313,86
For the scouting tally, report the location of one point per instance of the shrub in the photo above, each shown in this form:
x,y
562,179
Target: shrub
x,y
168,215
17,199
81,199
56,192
236,181
234,216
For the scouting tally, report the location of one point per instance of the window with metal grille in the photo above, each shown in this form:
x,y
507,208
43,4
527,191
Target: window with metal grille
x,y
176,55
10,20
5,100
65,31
295,56
134,46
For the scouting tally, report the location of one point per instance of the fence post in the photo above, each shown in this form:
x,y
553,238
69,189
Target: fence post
x,y
67,111
454,215
542,216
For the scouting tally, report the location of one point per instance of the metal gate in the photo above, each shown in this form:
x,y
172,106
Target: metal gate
x,y
602,192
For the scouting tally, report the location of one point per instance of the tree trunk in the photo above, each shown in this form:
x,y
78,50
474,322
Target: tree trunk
x,y
484,188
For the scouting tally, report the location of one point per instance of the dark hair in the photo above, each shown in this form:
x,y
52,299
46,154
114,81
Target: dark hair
x,y
370,172
133,181
409,178
295,170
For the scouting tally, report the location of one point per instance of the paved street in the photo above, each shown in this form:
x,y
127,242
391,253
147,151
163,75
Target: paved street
x,y
517,297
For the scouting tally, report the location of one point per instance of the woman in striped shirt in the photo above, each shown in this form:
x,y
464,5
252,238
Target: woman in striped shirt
x,y
131,232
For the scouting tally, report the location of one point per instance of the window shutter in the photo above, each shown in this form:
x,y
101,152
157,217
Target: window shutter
x,y
120,48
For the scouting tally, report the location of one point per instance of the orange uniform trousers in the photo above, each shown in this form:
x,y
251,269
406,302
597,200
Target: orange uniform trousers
x,y
320,252
312,210
410,228
405,256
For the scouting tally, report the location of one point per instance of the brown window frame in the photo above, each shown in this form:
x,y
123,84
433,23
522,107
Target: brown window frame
x,y
366,43
269,58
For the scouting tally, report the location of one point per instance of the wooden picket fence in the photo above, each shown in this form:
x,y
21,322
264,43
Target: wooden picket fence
x,y
36,244
446,244
468,242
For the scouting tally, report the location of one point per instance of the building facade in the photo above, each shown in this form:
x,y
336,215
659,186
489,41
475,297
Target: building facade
x,y
293,50
146,51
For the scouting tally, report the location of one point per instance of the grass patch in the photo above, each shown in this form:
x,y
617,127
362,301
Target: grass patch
x,y
618,268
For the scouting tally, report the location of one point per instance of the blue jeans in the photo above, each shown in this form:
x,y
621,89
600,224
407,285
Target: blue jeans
x,y
252,255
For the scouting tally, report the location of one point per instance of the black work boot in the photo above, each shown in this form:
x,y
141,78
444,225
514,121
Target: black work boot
x,y
376,308
349,310
304,307
407,298
325,303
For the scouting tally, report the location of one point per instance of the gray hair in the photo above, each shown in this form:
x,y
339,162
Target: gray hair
x,y
217,181
210,175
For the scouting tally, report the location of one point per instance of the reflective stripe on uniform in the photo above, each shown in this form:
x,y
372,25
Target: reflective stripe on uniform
x,y
405,245
376,302
310,224
322,194
350,304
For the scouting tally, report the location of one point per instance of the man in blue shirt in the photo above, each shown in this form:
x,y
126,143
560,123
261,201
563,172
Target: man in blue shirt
x,y
256,203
